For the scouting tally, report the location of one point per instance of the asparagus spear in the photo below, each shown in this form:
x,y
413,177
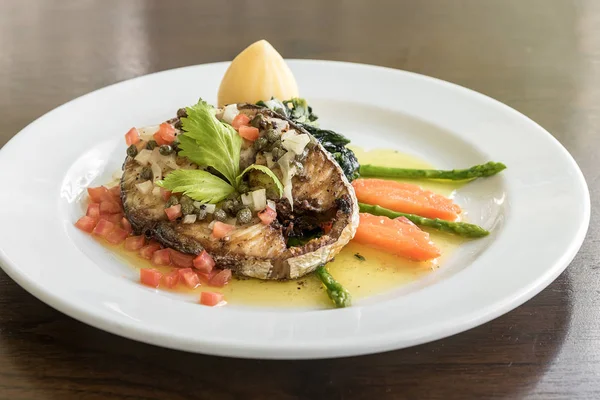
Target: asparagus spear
x,y
477,171
336,292
458,228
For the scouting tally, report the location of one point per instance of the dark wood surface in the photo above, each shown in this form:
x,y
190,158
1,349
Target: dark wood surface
x,y
541,57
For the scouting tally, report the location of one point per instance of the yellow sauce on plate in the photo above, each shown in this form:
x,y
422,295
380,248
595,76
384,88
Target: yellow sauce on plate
x,y
377,273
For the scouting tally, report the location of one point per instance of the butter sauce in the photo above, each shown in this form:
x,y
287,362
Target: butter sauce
x,y
363,271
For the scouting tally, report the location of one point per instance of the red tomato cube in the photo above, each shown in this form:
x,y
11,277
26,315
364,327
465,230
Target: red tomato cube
x,y
93,211
150,277
110,207
188,277
103,228
98,194
148,250
133,243
86,224
126,225
211,299
221,279
115,192
161,257
171,279
181,260
117,236
206,277
267,215
173,212
132,136
240,120
165,134
166,194
220,230
204,262
248,132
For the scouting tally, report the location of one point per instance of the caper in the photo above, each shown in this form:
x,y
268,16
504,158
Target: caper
x,y
146,173
243,188
201,213
187,209
220,215
278,152
271,135
151,145
187,205
260,143
173,201
231,206
175,145
258,121
165,150
132,151
244,216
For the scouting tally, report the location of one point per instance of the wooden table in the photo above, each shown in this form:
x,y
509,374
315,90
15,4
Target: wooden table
x,y
541,57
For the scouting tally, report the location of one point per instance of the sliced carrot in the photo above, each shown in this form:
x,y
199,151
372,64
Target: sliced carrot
x,y
396,236
406,198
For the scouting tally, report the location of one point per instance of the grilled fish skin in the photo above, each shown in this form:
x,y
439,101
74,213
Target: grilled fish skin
x,y
321,194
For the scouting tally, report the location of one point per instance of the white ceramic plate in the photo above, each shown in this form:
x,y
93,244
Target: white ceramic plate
x,y
46,167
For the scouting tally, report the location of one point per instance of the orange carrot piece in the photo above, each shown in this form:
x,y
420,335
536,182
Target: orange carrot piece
x,y
396,236
406,198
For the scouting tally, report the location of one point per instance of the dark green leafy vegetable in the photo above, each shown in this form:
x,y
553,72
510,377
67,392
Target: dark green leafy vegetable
x,y
477,171
299,111
336,292
457,228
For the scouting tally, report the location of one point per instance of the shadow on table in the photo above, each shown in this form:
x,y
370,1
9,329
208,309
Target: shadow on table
x,y
56,356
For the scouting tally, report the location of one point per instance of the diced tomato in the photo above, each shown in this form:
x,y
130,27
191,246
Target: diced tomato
x,y
267,215
221,279
110,207
98,194
211,299
117,236
114,218
326,226
161,257
133,243
126,225
165,134
181,260
103,228
248,132
93,211
171,279
86,224
189,277
132,136
220,230
240,120
173,212
115,192
148,250
166,194
206,277
150,277
204,262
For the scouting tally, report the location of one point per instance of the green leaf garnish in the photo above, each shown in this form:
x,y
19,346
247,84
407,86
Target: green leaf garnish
x,y
210,142
199,185
265,171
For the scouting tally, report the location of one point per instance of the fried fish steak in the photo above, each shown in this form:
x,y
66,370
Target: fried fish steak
x,y
322,196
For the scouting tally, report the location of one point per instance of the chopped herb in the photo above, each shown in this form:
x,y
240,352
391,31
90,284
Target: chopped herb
x,y
360,257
